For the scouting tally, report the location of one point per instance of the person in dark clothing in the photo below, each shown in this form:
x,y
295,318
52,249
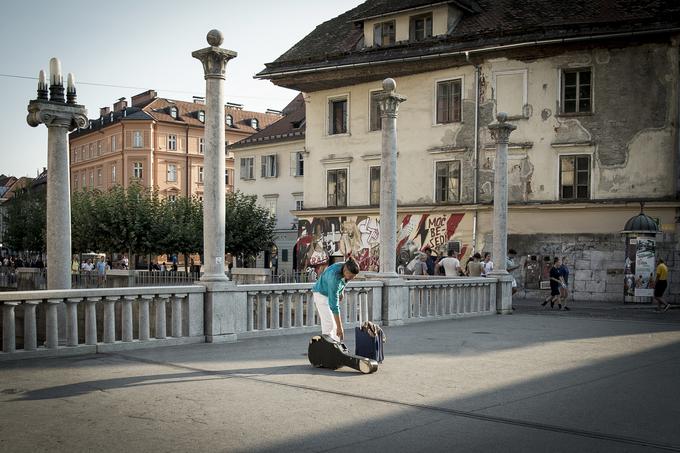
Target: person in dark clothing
x,y
564,290
431,260
556,283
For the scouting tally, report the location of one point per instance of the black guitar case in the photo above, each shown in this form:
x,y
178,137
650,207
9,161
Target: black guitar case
x,y
324,352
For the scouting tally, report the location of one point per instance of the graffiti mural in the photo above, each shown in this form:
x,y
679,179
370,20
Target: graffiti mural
x,y
324,240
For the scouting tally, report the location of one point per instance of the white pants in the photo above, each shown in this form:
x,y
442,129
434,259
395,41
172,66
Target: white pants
x,y
328,326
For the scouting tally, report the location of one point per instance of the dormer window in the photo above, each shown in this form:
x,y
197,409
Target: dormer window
x,y
201,116
254,123
384,33
420,27
173,112
229,120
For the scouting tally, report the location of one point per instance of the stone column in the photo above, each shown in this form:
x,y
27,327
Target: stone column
x,y
500,132
60,116
214,60
389,102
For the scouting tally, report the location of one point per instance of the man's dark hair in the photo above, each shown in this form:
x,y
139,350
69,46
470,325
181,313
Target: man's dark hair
x,y
477,255
512,252
451,252
351,266
557,258
661,261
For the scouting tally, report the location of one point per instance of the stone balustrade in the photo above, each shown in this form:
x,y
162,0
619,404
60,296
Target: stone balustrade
x,y
69,322
125,322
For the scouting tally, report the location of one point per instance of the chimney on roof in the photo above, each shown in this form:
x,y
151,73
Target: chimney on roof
x,y
232,105
104,111
199,100
120,105
143,98
274,112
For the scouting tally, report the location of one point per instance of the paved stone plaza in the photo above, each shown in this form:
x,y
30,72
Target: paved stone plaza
x,y
598,379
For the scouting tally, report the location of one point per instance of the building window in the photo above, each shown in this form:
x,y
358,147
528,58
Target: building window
x,y
375,185
84,184
201,116
384,33
75,182
113,143
375,119
137,140
137,170
269,166
89,151
574,177
200,174
201,145
172,142
270,205
420,27
172,173
576,91
297,163
247,165
284,255
91,179
336,187
448,101
226,176
99,147
75,156
447,182
113,173
229,120
337,116
173,112
99,177
299,205
254,123
172,198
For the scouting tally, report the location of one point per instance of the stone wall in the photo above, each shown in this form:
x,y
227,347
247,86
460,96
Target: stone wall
x,y
596,262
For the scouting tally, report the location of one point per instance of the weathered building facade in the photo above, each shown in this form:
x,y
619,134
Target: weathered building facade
x,y
591,86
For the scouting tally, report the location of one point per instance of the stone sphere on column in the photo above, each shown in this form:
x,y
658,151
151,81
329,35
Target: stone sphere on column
x,y
215,38
389,84
502,117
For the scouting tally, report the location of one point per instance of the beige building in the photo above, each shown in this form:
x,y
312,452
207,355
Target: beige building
x,y
596,118
271,164
156,141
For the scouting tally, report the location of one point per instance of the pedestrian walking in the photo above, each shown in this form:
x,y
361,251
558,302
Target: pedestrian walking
x,y
660,285
450,264
510,266
328,293
101,271
555,285
564,290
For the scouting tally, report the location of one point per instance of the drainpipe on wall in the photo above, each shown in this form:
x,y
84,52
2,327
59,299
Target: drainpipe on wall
x,y
475,196
186,168
677,135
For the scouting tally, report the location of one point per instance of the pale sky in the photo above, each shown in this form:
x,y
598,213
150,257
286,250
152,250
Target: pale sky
x,y
139,45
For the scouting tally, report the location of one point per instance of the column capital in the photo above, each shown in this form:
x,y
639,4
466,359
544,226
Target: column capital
x,y
56,114
214,58
500,130
389,99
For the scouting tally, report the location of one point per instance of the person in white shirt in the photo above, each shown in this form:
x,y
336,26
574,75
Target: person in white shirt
x,y
450,264
487,264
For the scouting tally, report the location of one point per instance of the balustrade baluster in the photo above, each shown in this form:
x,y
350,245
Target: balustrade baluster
x,y
72,321
363,306
161,315
8,327
250,311
30,329
91,320
262,311
276,302
144,318
109,335
311,312
176,314
287,309
51,323
299,309
126,318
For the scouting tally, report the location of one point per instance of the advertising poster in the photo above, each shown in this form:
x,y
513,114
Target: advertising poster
x,y
645,264
629,267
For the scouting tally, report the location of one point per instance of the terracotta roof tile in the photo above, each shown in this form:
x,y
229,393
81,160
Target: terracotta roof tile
x,y
290,127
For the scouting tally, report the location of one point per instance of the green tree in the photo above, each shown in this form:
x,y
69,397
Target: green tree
x,y
179,226
26,219
249,227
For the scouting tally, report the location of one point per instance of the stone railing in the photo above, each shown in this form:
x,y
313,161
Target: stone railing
x,y
279,309
448,298
68,322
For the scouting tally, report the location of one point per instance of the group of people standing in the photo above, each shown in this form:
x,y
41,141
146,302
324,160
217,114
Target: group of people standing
x,y
559,284
427,263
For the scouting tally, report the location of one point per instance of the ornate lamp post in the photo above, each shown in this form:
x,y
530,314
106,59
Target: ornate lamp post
x,y
389,102
60,116
214,60
500,131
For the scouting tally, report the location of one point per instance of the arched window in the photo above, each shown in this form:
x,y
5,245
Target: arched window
x,y
253,123
201,116
229,120
173,112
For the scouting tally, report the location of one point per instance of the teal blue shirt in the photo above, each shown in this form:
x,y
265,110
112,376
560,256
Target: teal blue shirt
x,y
331,283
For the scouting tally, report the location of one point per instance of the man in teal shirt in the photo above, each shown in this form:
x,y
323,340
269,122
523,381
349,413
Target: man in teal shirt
x,y
328,291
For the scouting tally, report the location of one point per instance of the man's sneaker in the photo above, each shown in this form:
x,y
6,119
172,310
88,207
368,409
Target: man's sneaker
x,y
544,303
566,308
666,307
552,304
559,306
